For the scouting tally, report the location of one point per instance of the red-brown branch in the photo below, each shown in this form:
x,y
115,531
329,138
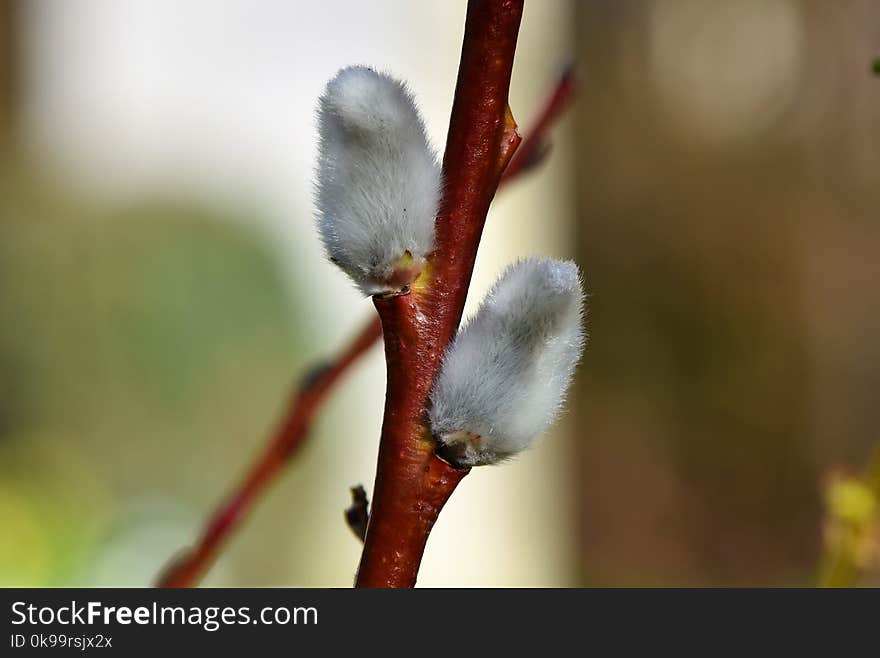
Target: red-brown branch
x,y
412,483
186,570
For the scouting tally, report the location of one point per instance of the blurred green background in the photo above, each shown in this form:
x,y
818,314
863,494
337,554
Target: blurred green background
x,y
161,287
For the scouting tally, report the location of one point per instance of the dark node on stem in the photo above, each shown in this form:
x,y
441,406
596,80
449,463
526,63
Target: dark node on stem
x,y
314,374
403,292
875,65
358,514
536,156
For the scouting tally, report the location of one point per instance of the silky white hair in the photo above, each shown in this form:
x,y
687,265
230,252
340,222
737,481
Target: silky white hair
x,y
504,377
378,180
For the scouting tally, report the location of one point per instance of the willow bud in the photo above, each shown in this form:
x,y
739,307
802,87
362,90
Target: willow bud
x,y
378,181
504,377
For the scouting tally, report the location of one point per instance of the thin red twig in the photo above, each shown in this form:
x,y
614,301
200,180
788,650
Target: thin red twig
x,y
186,570
535,145
412,483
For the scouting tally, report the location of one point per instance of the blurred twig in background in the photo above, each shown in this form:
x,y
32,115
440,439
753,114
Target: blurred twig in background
x,y
305,403
535,145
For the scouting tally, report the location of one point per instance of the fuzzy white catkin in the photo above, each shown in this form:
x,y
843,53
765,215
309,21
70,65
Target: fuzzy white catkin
x,y
378,181
504,378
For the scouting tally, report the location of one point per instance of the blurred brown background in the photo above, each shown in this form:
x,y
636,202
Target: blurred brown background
x,y
160,286
730,220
